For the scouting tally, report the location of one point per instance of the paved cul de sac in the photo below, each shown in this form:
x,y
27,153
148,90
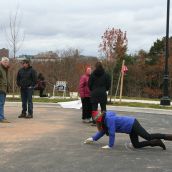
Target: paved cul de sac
x,y
53,142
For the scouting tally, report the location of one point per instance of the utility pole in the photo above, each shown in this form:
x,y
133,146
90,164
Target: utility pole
x,y
165,100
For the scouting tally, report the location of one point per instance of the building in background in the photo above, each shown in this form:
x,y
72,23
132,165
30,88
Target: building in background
x,y
4,52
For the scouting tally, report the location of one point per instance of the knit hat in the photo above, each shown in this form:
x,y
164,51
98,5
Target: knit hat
x,y
4,59
97,116
27,61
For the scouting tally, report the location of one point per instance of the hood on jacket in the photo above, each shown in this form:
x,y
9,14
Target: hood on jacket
x,y
110,114
98,72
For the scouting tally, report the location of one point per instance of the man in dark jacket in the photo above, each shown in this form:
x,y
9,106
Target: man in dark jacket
x,y
26,80
4,65
99,83
41,85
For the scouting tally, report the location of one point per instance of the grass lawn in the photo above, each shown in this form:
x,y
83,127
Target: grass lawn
x,y
143,105
42,99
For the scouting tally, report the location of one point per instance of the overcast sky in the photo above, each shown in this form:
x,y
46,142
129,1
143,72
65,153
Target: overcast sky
x,y
61,24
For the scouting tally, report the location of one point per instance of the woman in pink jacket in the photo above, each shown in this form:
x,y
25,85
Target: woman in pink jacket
x,y
84,93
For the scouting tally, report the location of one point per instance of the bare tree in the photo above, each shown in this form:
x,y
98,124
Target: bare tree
x,y
15,38
14,34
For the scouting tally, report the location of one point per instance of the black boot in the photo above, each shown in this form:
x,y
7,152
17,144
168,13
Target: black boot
x,y
168,137
22,115
157,142
29,116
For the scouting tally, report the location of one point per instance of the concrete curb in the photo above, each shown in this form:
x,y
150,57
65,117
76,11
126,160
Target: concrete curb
x,y
109,107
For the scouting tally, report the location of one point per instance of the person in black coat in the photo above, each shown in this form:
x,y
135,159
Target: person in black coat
x,y
99,83
41,85
26,80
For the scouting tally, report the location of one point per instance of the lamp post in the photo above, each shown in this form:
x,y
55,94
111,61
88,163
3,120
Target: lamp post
x,y
165,100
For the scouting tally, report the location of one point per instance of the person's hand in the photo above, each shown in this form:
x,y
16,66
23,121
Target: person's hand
x,y
106,147
89,140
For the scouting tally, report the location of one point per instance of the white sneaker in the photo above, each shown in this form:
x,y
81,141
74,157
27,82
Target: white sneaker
x,y
89,140
90,120
84,120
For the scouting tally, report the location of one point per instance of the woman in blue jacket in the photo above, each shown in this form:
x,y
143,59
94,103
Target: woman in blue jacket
x,y
109,123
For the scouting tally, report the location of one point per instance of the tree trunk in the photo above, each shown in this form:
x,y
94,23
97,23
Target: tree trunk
x,y
111,87
13,83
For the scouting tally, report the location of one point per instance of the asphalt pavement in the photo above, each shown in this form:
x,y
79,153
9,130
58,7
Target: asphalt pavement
x,y
53,142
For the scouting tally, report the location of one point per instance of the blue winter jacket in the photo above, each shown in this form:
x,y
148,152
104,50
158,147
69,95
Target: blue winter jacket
x,y
115,124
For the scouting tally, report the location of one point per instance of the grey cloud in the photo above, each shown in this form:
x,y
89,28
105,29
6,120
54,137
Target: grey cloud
x,y
52,24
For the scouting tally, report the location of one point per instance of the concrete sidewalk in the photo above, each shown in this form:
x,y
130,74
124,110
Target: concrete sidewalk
x,y
116,100
137,101
115,108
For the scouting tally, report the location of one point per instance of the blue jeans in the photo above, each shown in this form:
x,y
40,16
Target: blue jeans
x,y
26,97
2,102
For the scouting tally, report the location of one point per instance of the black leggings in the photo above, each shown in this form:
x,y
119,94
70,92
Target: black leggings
x,y
86,108
102,106
137,131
